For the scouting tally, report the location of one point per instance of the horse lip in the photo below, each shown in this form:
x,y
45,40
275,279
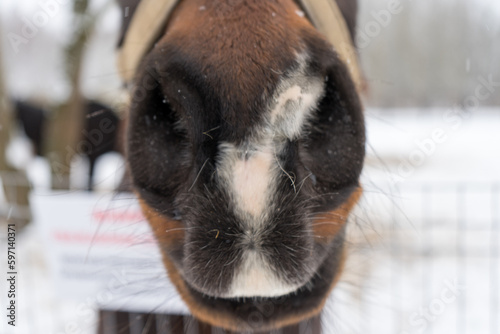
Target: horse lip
x,y
236,313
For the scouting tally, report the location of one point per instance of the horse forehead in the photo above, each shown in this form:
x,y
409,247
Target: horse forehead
x,y
215,17
239,43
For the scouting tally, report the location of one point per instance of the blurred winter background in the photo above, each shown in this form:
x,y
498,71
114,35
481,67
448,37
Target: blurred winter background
x,y
425,240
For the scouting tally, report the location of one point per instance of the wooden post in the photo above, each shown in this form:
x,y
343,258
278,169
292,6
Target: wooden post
x,y
66,121
114,322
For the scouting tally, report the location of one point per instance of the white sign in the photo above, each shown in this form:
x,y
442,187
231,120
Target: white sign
x,y
101,247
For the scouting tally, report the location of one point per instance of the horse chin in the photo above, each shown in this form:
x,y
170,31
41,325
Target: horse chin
x,y
262,313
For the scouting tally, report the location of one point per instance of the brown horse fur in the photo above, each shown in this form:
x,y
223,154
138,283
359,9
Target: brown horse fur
x,y
245,145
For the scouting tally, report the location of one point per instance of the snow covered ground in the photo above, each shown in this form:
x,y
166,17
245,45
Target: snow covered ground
x,y
426,238
424,241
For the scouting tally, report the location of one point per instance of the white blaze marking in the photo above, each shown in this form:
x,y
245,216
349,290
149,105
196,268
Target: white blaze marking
x,y
250,173
251,179
256,279
294,106
292,94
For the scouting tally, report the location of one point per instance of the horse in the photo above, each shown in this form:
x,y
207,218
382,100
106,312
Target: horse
x,y
100,133
245,144
32,120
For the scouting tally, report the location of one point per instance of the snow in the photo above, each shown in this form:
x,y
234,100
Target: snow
x,y
19,151
466,153
79,171
109,170
39,173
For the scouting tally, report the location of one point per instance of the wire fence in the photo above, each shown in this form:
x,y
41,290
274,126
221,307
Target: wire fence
x,y
425,259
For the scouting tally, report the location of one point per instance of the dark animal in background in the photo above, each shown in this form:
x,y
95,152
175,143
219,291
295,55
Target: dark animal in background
x,y
100,132
32,119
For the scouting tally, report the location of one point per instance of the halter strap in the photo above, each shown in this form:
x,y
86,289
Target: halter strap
x,y
146,27
326,16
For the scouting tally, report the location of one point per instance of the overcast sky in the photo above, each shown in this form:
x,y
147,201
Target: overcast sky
x,y
35,70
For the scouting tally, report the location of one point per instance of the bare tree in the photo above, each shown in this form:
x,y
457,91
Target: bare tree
x,y
15,182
